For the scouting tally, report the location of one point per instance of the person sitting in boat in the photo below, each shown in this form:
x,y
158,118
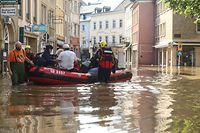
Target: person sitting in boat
x,y
59,50
67,59
47,59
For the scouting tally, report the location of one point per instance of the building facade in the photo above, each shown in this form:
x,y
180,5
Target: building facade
x,y
8,35
86,11
75,26
44,14
108,26
176,45
59,21
143,32
127,40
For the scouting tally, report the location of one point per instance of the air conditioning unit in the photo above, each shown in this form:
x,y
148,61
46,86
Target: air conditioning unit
x,y
7,20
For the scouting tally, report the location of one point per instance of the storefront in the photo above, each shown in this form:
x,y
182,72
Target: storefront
x,y
170,55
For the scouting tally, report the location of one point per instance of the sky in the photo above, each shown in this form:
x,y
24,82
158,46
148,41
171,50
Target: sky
x,y
112,3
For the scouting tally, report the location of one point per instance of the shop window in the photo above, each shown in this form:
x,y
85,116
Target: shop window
x,y
198,27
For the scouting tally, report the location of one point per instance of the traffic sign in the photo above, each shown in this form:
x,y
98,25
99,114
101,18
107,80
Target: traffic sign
x,y
46,36
180,53
8,11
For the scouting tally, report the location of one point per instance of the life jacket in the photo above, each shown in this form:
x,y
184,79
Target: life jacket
x,y
22,58
106,58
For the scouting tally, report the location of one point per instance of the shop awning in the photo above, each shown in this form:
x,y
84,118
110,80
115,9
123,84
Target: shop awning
x,y
163,44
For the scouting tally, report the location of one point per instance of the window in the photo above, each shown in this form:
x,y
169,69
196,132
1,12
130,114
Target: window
x,y
76,30
106,39
94,40
161,7
83,27
114,23
50,18
70,5
113,39
28,9
100,25
83,40
43,14
164,29
198,26
100,38
107,25
95,25
84,17
34,11
120,23
120,39
75,7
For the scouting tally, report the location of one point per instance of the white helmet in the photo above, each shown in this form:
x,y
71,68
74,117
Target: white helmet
x,y
66,46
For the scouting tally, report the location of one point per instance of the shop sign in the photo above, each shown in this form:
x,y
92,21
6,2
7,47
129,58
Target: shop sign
x,y
39,28
8,11
27,28
8,1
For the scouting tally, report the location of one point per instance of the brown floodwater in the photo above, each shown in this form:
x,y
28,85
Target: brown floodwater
x,y
153,101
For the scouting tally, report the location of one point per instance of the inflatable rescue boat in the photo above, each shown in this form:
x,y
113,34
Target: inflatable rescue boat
x,y
53,76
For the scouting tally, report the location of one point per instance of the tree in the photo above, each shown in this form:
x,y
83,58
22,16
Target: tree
x,y
187,7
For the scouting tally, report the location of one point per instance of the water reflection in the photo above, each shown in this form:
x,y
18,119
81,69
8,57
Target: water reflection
x,y
155,101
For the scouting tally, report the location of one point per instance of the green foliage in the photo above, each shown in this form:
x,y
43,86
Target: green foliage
x,y
187,7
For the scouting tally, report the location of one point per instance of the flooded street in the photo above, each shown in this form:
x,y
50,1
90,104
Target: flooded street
x,y
153,102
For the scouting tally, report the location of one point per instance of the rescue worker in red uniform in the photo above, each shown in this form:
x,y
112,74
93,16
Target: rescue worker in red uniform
x,y
105,57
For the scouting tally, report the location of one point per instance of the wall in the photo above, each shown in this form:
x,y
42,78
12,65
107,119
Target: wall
x,y
186,28
146,33
197,56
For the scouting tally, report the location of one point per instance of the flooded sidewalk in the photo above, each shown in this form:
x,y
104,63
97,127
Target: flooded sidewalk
x,y
155,100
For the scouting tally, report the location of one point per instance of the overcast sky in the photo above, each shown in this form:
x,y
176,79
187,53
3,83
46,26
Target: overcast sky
x,y
107,2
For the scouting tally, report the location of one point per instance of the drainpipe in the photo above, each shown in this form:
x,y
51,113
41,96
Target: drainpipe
x,y
162,58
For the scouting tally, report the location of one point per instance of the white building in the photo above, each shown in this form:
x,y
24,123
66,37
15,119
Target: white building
x,y
108,26
128,36
86,12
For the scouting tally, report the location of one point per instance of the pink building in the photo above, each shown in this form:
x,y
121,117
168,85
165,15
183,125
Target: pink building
x,y
143,32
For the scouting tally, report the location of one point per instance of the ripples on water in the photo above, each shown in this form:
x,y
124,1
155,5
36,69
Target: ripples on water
x,y
151,103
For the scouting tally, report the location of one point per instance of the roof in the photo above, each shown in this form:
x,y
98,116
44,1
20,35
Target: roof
x,y
91,7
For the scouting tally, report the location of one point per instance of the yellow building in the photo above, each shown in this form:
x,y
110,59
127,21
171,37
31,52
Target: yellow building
x,y
173,30
59,21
